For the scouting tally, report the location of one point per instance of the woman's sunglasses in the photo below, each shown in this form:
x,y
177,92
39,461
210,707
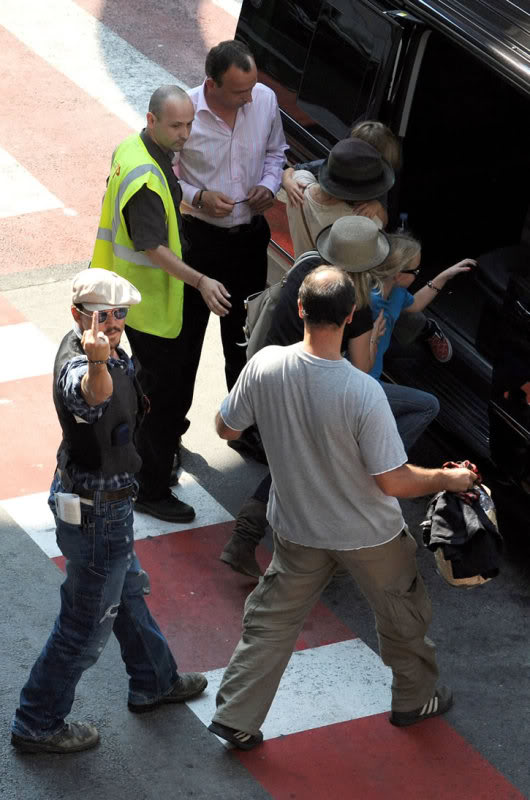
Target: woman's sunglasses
x,y
411,271
117,313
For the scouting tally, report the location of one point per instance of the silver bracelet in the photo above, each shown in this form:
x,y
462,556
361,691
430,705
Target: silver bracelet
x,y
431,285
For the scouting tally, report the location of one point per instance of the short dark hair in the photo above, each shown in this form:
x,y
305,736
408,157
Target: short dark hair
x,y
227,54
326,301
163,93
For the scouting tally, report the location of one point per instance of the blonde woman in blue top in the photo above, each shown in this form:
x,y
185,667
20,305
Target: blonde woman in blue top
x,y
413,409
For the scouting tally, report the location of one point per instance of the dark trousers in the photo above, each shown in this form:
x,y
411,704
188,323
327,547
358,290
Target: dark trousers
x,y
238,259
166,368
159,372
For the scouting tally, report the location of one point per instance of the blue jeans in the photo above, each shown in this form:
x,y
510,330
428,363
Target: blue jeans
x,y
104,591
413,410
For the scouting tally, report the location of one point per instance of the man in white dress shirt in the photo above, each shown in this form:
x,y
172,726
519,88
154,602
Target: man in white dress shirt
x,y
230,170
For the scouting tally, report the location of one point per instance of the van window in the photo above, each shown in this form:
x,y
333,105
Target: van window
x,y
344,77
278,33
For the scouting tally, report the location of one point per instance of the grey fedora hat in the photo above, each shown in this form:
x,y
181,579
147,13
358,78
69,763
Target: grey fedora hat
x,y
354,243
355,170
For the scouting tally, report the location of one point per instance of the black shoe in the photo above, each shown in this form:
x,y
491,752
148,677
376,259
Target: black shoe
x,y
440,702
169,509
240,739
249,444
75,736
189,685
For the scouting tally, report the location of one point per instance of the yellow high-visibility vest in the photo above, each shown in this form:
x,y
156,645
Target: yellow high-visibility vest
x,y
160,311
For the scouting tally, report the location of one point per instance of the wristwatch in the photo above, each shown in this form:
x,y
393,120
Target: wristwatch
x,y
199,204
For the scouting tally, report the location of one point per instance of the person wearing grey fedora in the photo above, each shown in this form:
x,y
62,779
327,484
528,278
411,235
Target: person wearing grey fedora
x,y
99,404
354,173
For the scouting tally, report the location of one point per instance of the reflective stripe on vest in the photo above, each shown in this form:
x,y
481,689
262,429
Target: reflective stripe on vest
x,y
126,253
160,312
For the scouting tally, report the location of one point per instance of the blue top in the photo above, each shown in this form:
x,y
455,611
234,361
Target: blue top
x,y
397,300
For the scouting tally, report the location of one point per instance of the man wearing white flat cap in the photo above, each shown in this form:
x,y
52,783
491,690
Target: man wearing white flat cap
x,y
99,404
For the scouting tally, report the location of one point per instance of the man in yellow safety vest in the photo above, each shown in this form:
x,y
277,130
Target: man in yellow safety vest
x,y
138,237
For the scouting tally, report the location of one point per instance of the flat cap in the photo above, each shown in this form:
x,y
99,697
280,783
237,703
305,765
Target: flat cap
x,y
98,289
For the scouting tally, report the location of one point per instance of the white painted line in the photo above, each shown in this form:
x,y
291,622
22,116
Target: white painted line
x,y
207,511
99,61
33,515
21,192
321,686
26,352
232,7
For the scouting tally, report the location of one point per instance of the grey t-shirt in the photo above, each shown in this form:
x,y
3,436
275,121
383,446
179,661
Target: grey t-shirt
x,y
327,429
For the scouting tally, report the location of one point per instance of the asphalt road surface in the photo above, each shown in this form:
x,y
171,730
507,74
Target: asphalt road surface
x,y
76,78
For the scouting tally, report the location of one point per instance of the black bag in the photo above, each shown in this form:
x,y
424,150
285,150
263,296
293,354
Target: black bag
x,y
260,309
464,536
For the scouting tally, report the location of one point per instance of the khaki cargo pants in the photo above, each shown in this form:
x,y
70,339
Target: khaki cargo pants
x,y
275,612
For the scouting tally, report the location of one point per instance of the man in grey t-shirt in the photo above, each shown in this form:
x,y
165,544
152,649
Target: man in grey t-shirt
x,y
337,464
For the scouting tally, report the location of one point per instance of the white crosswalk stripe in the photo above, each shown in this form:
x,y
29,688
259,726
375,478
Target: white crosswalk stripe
x,y
82,40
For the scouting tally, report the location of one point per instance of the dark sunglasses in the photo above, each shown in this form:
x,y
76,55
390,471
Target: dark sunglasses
x,y
411,271
117,313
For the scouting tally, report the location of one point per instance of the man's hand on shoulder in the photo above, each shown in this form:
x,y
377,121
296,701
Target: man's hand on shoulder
x,y
216,204
260,199
215,296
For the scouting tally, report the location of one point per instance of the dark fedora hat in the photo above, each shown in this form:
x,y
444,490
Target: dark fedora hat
x,y
355,171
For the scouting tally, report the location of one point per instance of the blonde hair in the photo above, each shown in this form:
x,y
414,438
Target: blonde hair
x,y
382,138
363,286
403,249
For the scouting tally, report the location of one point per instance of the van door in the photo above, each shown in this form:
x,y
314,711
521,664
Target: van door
x,y
349,64
510,391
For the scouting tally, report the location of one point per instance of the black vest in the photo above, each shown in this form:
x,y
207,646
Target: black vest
x,y
107,446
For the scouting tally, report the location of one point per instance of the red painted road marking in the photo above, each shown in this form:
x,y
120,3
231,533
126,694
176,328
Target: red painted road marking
x,y
9,315
30,434
370,759
71,160
198,601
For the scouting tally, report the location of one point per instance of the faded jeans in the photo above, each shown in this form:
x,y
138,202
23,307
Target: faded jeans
x,y
104,591
412,409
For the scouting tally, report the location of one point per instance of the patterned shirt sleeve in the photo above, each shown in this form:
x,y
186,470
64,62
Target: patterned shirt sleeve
x,y
69,384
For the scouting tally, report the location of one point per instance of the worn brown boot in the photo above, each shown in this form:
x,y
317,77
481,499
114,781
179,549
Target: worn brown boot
x,y
249,530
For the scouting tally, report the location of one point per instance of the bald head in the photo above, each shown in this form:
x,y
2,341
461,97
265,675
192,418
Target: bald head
x,y
163,93
170,117
326,296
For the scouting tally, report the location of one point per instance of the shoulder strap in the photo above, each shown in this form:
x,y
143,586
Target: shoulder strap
x,y
305,257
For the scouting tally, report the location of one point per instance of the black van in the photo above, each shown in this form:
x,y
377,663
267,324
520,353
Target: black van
x,y
452,80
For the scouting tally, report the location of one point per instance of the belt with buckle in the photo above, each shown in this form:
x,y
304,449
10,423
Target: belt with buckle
x,y
106,496
190,218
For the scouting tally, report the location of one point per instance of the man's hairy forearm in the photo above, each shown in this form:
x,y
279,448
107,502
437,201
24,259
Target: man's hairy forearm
x,y
165,259
410,481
